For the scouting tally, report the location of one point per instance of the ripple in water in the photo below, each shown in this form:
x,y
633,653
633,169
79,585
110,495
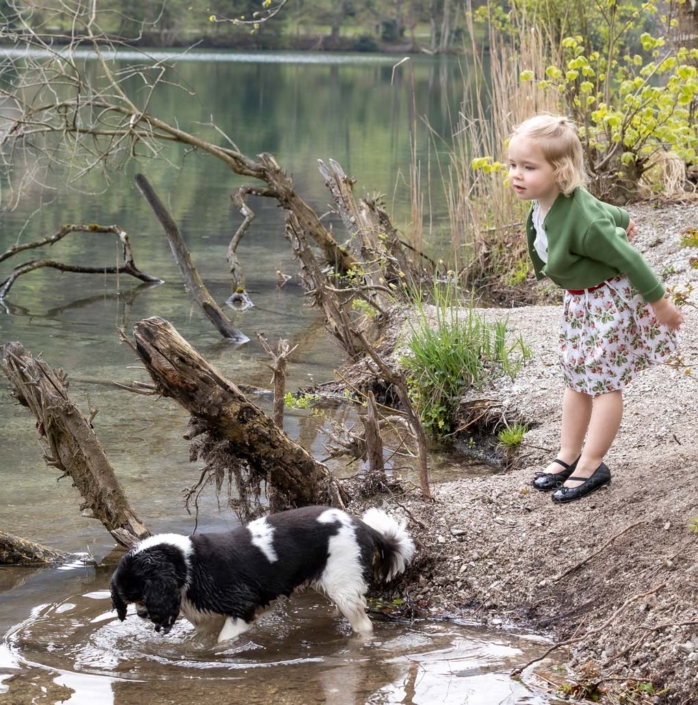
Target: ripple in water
x,y
298,654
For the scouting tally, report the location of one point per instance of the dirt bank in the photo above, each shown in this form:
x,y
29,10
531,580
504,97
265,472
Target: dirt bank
x,y
617,571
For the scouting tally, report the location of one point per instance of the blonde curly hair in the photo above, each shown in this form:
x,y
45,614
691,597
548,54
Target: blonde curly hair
x,y
557,138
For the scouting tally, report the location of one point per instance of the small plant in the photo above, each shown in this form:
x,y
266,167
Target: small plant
x,y
381,605
519,273
452,350
511,436
693,526
364,307
667,270
690,238
300,401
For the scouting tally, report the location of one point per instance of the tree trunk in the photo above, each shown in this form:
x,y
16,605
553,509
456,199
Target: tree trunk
x,y
220,409
73,446
445,27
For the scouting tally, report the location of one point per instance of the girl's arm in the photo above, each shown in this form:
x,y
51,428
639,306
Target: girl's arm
x,y
620,216
601,243
605,243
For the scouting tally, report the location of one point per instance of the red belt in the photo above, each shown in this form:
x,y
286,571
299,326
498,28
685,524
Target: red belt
x,y
577,292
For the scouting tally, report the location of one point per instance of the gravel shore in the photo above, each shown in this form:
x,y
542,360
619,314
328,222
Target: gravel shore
x,y
617,572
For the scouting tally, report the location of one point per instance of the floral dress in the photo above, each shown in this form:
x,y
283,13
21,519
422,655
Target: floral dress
x,y
608,335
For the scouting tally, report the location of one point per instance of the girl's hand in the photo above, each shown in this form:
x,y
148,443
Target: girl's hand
x,y
667,314
631,230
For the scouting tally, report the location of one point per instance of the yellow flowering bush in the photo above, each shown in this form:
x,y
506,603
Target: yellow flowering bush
x,y
631,108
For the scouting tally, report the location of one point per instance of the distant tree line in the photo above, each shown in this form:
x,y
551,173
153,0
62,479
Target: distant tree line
x,y
363,25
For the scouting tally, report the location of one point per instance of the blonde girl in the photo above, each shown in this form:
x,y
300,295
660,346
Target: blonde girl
x,y
616,317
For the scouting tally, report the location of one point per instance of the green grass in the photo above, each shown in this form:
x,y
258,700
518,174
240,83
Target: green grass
x,y
511,436
451,351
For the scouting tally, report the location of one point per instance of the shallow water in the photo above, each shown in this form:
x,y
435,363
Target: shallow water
x,y
63,644
76,650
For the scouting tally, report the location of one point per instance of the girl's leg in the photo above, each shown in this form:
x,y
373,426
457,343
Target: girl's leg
x,y
576,413
606,415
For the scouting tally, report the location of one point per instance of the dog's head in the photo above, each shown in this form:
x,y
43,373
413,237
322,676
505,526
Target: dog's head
x,y
152,578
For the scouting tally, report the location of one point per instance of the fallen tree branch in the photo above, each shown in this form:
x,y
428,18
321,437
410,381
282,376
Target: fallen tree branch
x,y
72,445
374,442
128,266
238,428
336,316
278,380
191,277
648,631
397,379
238,199
517,671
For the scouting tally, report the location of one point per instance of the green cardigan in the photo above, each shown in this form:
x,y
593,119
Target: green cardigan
x,y
587,244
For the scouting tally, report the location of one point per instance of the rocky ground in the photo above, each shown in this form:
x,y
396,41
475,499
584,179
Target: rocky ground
x,y
615,574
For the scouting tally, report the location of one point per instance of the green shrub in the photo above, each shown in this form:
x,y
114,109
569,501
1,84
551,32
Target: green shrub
x,y
366,43
451,352
636,110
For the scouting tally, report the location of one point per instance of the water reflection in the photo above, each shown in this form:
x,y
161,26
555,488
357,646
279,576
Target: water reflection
x,y
300,653
301,108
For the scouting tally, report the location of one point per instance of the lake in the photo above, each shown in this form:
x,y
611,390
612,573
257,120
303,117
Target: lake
x,y
60,633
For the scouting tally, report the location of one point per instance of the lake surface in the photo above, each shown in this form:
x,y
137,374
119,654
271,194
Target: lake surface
x,y
60,634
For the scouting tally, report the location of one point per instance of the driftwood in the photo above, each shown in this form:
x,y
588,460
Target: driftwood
x,y
18,551
278,380
71,444
373,239
191,277
397,379
221,411
334,303
374,441
238,199
128,266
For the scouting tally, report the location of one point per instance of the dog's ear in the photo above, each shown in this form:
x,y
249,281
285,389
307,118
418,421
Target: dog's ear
x,y
162,599
119,605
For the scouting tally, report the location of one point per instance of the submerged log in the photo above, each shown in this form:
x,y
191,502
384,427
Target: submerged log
x,y
72,445
191,277
18,551
219,408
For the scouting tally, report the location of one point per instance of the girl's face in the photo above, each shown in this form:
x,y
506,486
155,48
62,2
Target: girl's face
x,y
530,175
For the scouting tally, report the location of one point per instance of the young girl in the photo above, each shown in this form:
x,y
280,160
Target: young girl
x,y
616,319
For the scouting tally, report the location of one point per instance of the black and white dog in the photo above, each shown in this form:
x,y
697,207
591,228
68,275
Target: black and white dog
x,y
237,574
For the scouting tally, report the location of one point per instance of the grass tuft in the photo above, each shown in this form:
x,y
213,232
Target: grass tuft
x,y
451,350
511,436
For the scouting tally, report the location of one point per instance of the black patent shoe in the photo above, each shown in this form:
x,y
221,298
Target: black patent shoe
x,y
545,481
601,477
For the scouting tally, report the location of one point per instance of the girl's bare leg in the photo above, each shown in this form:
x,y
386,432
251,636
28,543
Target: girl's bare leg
x,y
606,415
576,413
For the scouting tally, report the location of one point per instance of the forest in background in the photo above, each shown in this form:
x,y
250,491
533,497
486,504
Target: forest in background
x,y
432,26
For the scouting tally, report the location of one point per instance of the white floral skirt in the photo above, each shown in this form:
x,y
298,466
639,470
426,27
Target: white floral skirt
x,y
608,335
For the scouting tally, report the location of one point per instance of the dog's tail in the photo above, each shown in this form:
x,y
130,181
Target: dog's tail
x,y
396,547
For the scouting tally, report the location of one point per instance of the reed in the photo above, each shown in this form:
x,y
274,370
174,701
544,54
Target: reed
x,y
486,217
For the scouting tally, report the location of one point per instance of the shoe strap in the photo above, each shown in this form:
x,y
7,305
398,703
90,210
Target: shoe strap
x,y
560,462
578,479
